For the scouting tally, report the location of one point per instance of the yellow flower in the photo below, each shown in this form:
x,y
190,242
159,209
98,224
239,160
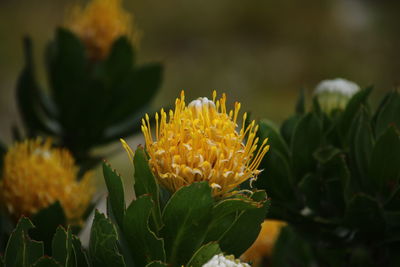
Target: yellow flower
x,y
264,243
35,175
199,142
99,24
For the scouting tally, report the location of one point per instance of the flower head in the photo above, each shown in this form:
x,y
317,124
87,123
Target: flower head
x,y
225,261
99,24
200,142
35,175
264,244
335,94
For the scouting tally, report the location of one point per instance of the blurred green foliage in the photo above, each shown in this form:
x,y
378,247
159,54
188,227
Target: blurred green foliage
x,y
335,179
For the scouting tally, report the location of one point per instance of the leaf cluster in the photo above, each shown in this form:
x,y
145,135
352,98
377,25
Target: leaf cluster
x,y
335,179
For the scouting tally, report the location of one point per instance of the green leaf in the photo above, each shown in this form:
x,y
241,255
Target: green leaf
x,y
68,77
365,214
384,166
276,177
116,192
306,139
249,222
20,249
103,248
311,188
80,253
361,144
336,186
268,130
62,247
351,110
325,154
157,264
47,220
29,98
224,214
388,114
288,127
137,90
120,60
204,254
145,183
292,250
46,262
144,244
186,217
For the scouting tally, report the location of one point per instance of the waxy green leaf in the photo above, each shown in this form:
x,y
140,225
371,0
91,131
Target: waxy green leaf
x,y
186,217
144,244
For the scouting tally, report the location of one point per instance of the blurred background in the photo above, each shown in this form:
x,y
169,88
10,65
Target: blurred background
x,y
259,52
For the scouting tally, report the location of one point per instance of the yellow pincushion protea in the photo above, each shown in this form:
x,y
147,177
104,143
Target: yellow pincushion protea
x,y
35,175
99,24
199,142
264,243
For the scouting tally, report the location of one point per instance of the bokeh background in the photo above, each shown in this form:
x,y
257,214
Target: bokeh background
x,y
259,52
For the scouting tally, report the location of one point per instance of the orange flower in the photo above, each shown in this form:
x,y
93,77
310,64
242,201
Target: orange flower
x,y
264,243
99,24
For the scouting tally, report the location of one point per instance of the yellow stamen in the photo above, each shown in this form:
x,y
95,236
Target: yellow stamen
x,y
200,143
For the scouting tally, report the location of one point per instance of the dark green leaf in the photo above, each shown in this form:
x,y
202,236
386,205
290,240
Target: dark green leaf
x,y
103,248
351,110
224,214
137,92
249,222
46,262
326,153
288,127
204,254
311,188
144,244
384,166
34,250
306,139
364,213
275,140
145,183
120,60
47,220
361,144
276,177
157,264
115,192
186,217
21,250
388,114
80,253
28,97
68,77
292,250
62,247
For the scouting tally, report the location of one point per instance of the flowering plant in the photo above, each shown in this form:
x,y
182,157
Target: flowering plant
x,y
182,222
333,175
